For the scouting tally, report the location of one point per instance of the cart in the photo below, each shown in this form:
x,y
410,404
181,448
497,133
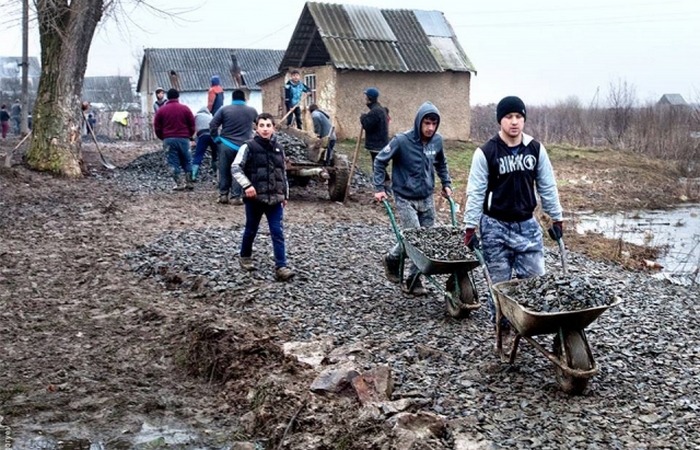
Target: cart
x,y
460,291
572,357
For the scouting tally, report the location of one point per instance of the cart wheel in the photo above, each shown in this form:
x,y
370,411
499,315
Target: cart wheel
x,y
577,358
456,302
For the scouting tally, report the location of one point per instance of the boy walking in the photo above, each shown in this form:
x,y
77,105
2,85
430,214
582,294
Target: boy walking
x,y
259,168
506,173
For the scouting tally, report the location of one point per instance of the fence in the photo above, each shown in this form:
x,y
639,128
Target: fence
x,y
139,127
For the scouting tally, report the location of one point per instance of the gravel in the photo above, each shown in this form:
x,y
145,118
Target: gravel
x,y
645,396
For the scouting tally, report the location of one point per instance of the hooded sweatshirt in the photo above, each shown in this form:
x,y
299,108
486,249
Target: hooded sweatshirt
x,y
414,163
201,121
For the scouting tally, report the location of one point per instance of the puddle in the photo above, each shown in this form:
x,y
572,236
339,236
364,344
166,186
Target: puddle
x,y
677,231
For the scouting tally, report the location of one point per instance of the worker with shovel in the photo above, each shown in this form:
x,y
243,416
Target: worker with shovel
x,y
294,91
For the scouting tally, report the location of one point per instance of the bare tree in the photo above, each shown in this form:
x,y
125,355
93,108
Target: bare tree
x,y
621,100
66,30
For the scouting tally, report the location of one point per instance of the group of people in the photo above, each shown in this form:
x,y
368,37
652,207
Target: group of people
x,y
506,174
13,117
251,164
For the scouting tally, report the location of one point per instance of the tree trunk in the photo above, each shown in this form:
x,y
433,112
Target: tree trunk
x,y
66,29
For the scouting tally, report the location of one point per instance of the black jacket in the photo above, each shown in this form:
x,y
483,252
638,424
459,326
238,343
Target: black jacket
x,y
260,163
376,126
510,195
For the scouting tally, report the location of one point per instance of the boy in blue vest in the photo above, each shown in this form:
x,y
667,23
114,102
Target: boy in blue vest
x,y
259,168
506,174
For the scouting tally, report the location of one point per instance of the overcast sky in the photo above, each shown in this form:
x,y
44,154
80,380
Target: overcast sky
x,y
545,51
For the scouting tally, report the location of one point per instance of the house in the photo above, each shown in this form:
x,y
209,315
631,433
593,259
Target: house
x,y
411,56
674,100
112,93
11,77
189,70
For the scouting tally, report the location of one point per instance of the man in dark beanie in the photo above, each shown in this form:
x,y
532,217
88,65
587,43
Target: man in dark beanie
x,y
375,124
236,121
506,174
174,125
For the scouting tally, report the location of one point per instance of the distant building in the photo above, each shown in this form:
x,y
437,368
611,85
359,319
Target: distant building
x,y
672,100
189,70
411,56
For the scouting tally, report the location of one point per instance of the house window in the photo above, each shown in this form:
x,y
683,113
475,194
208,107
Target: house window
x,y
310,81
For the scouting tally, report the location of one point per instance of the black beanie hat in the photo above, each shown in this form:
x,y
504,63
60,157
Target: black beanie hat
x,y
173,93
509,105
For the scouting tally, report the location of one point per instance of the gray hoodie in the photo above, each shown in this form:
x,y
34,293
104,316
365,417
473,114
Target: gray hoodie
x,y
414,163
201,121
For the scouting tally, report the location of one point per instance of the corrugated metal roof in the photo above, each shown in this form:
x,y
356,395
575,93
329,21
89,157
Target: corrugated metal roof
x,y
191,69
375,39
673,99
107,89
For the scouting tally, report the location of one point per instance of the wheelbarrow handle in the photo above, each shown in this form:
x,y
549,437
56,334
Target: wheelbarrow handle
x,y
453,210
562,254
392,219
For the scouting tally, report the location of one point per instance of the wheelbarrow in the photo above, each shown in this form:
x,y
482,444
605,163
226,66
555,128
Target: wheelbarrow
x,y
460,291
572,357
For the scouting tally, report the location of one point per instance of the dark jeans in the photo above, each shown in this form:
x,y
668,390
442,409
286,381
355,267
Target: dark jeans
x,y
16,124
254,211
178,153
204,141
297,115
329,152
5,127
226,181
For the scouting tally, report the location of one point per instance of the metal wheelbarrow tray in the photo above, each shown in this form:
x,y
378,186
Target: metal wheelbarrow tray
x,y
429,266
531,323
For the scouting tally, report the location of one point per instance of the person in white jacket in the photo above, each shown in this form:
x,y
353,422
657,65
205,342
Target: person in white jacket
x,y
506,174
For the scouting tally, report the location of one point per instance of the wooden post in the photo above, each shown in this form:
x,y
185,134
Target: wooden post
x,y
352,166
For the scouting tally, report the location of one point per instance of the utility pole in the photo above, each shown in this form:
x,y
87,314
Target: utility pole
x,y
25,66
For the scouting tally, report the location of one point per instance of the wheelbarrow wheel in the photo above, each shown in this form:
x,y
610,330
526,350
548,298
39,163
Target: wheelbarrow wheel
x,y
577,357
458,302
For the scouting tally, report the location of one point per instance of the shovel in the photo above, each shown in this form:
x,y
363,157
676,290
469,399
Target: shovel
x,y
105,162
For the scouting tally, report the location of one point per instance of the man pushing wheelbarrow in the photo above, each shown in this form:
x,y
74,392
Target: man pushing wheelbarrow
x,y
415,155
506,174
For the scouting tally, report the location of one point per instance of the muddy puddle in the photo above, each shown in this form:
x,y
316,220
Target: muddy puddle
x,y
675,231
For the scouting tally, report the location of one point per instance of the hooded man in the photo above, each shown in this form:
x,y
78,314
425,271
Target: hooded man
x,y
204,141
416,156
215,97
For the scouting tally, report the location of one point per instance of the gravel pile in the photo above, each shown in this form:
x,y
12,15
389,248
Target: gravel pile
x,y
645,396
556,292
150,172
439,243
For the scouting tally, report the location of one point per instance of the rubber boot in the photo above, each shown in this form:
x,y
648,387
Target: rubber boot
x,y
189,181
195,169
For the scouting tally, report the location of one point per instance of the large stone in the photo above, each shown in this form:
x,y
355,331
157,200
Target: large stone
x,y
334,380
311,353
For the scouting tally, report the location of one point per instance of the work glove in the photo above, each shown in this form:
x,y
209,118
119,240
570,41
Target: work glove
x,y
470,239
556,231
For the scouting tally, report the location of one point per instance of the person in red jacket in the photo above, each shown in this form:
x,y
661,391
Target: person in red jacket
x,y
174,125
